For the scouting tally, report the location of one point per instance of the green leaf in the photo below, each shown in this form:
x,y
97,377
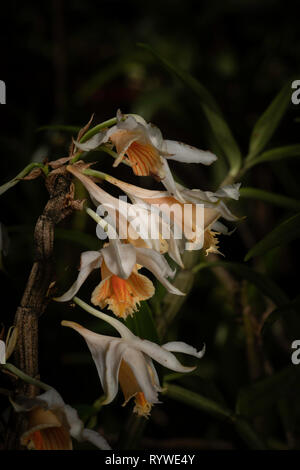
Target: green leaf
x,y
261,281
248,434
197,401
284,233
272,198
142,323
21,175
218,410
278,153
222,133
261,396
269,121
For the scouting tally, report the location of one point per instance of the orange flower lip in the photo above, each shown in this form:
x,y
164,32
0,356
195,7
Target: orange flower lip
x,y
37,440
122,296
46,431
131,389
145,159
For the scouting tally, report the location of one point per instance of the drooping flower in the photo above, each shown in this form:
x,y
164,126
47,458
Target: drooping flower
x,y
51,423
214,200
213,204
128,361
142,144
133,221
122,287
122,296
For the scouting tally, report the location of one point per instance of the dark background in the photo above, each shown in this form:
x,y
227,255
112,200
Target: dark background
x,y
63,61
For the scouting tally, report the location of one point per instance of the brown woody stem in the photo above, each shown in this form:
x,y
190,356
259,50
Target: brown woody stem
x,y
35,297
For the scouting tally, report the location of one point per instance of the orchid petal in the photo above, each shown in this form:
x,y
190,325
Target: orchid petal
x,y
135,359
219,227
157,264
139,119
113,205
52,398
92,143
93,341
173,245
136,191
90,260
101,196
75,423
167,284
113,359
188,154
95,438
231,191
153,373
160,355
107,354
210,216
169,182
55,402
119,258
179,346
198,196
155,136
130,123
153,260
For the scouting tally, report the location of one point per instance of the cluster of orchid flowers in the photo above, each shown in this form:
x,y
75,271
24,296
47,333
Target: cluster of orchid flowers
x,y
128,360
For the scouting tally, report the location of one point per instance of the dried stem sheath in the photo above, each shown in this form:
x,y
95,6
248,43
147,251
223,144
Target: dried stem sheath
x,y
35,298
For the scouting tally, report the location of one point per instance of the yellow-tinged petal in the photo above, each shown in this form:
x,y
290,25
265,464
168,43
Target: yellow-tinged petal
x,y
131,388
143,156
122,296
46,432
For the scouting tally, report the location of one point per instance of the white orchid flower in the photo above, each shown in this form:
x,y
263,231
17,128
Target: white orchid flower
x,y
213,199
52,423
213,204
135,222
128,361
144,147
183,214
122,287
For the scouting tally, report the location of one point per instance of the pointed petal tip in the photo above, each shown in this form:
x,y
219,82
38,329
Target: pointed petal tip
x,y
201,353
71,324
